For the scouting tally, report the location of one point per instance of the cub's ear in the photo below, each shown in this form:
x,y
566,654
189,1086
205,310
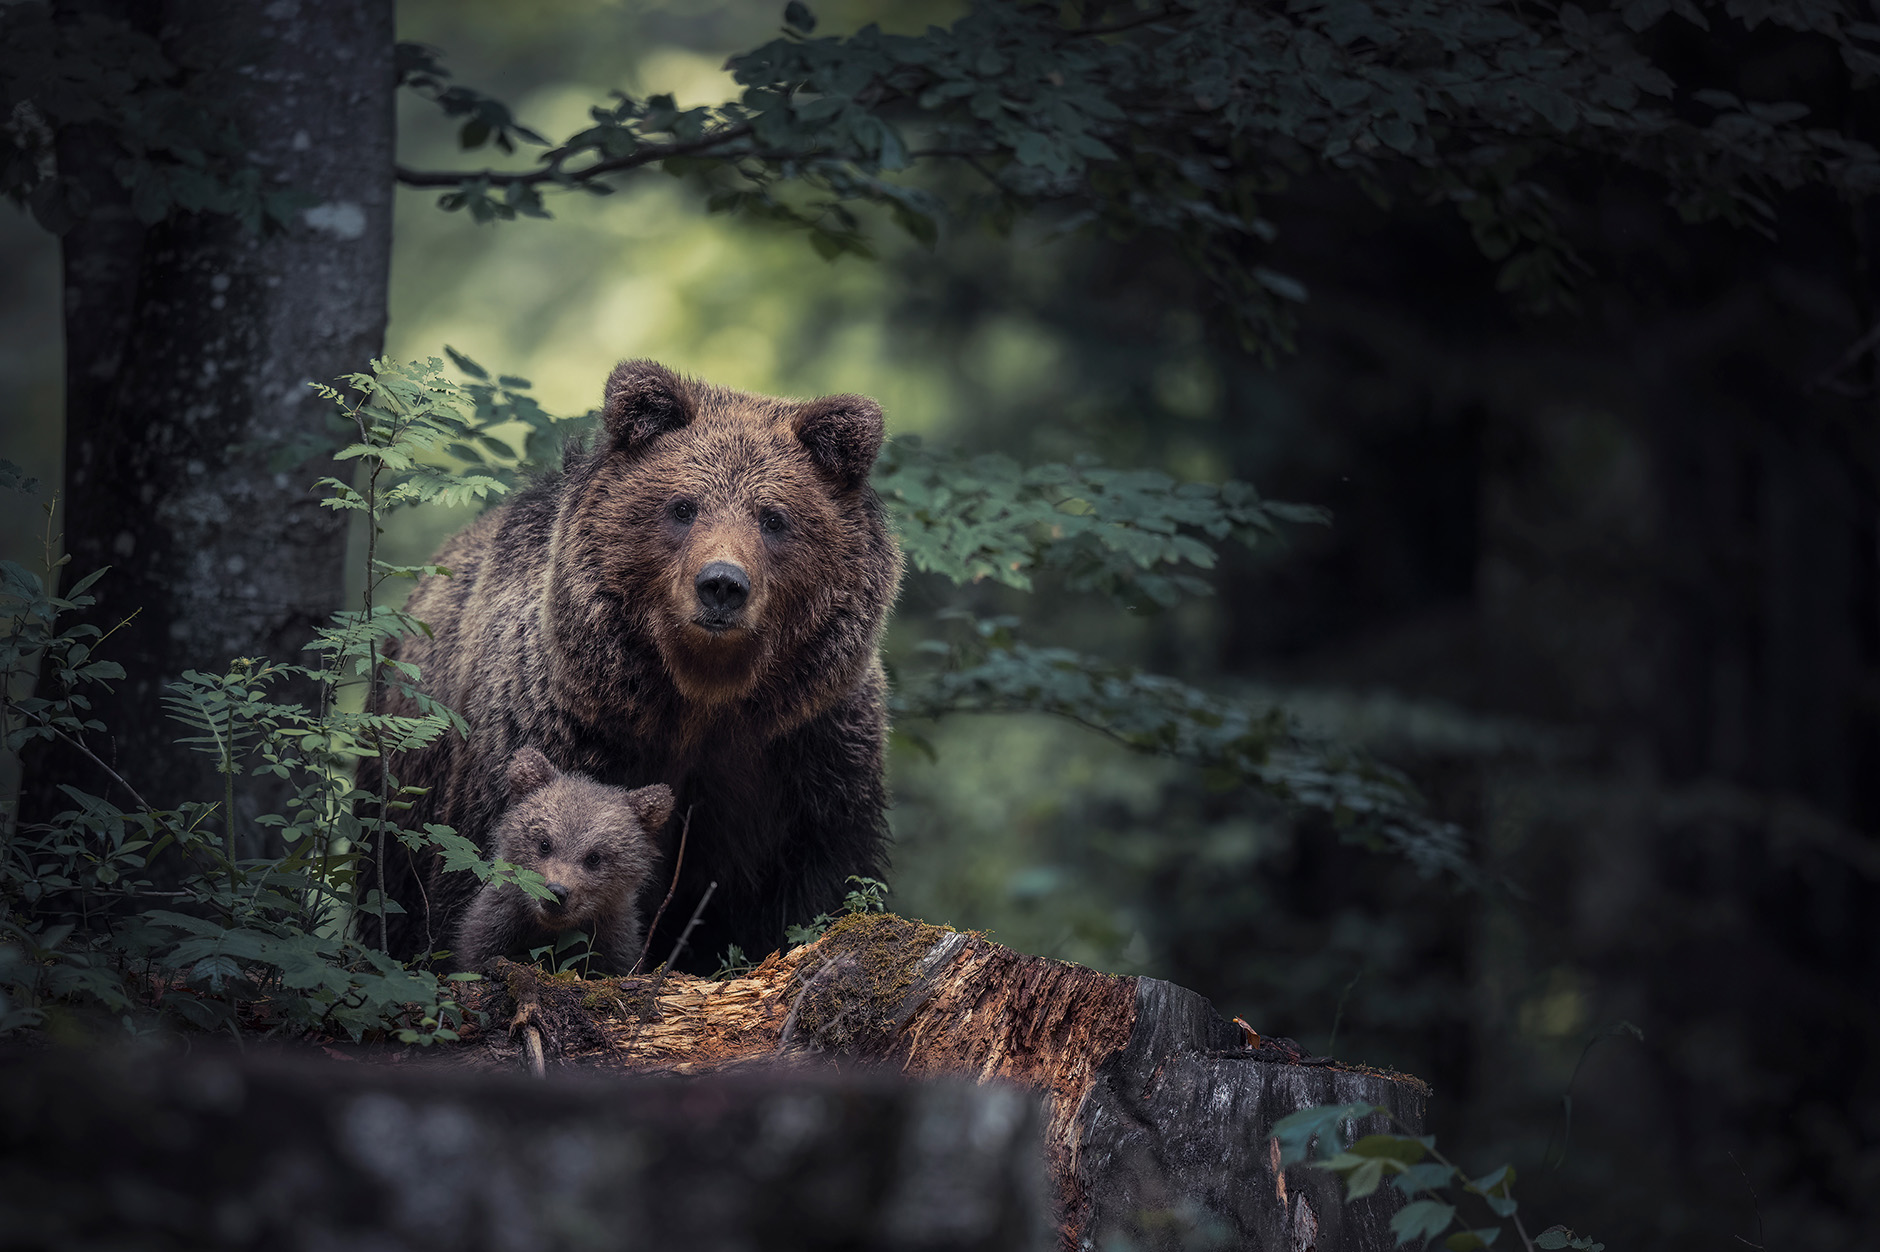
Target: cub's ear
x,y
843,435
652,805
644,399
529,771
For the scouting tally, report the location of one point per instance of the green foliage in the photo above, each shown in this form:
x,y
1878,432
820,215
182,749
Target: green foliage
x,y
258,943
1119,532
486,120
179,150
1237,742
1324,1137
571,949
870,895
1184,119
735,961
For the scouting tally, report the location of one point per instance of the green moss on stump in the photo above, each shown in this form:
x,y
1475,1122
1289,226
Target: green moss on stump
x,y
858,978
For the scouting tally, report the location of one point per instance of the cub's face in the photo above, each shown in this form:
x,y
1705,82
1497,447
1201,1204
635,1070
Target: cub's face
x,y
735,527
592,843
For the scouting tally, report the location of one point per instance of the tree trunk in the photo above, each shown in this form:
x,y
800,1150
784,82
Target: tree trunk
x,y
1156,1112
189,347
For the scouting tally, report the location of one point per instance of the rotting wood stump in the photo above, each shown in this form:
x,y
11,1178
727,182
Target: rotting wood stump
x,y
1157,1112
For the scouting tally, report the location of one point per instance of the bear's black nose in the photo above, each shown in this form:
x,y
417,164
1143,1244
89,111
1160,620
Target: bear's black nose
x,y
722,588
561,895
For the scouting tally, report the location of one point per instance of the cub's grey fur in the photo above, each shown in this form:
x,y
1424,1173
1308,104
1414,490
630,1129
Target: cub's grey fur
x,y
595,846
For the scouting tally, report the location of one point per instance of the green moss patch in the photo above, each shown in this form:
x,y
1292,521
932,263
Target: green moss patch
x,y
857,979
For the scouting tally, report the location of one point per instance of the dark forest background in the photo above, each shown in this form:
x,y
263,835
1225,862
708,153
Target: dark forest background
x,y
1603,579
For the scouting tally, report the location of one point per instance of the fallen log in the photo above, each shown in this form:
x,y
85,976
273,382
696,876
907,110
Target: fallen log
x,y
156,1151
1156,1111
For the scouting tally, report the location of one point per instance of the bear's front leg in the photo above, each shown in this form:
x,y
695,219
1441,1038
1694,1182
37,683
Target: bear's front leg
x,y
493,926
837,822
617,940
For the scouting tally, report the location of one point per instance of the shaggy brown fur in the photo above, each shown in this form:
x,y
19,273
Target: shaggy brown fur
x,y
594,845
578,619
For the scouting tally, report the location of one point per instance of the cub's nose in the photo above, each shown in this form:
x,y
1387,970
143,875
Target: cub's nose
x,y
722,588
561,894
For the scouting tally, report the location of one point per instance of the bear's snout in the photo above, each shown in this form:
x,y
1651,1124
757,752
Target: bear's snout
x,y
561,892
722,590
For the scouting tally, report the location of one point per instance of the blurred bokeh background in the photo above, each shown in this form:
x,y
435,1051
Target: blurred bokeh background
x,y
1603,582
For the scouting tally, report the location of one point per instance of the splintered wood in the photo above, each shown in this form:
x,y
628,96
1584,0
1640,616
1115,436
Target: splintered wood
x,y
876,988
1153,1104
697,1024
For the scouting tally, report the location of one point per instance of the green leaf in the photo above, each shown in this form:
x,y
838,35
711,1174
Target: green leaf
x,y
1363,1180
1321,1123
85,584
1425,1177
1422,1220
1393,1147
215,970
465,364
1496,1181
1472,1240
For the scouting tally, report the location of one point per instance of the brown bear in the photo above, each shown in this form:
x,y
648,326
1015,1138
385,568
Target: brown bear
x,y
695,599
594,846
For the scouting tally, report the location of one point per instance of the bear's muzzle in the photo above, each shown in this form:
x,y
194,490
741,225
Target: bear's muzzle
x,y
722,589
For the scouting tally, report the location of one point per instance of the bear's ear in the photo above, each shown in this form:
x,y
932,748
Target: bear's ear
x,y
652,805
643,399
529,771
843,435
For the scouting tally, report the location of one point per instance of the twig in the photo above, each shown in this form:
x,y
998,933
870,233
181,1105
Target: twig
x,y
95,759
1338,1018
645,154
652,993
532,1043
1855,351
677,865
524,1022
1755,1205
1565,1125
1113,28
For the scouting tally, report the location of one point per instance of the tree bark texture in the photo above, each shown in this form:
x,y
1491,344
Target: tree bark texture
x,y
189,346
1157,1114
217,1151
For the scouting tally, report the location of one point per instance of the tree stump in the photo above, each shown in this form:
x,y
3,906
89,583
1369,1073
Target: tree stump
x,y
1157,1113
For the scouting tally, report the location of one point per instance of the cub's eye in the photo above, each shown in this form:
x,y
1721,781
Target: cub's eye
x,y
591,861
772,521
682,511
544,846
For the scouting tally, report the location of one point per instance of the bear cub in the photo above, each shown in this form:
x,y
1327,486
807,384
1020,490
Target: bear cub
x,y
594,844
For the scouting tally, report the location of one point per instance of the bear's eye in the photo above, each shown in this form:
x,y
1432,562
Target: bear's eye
x,y
591,861
544,846
683,511
772,521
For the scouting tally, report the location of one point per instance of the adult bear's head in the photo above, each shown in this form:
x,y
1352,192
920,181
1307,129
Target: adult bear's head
x,y
735,533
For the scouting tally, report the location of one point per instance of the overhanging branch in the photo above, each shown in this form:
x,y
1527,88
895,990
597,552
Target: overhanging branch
x,y
646,154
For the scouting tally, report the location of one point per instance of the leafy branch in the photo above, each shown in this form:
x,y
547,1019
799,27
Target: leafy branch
x,y
179,150
1323,1137
1120,532
1236,743
1184,119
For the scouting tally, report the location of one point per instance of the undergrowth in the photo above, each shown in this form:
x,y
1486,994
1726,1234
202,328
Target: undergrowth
x,y
147,916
